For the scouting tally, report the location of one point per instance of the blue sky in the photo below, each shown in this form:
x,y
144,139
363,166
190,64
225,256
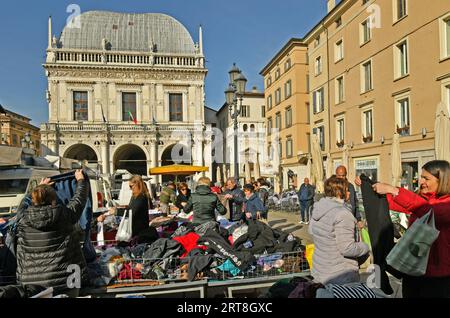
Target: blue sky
x,y
248,32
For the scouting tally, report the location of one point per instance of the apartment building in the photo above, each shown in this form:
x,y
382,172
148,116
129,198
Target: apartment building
x,y
287,113
378,67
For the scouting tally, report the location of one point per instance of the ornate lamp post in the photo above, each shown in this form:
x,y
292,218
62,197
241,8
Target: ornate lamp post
x,y
234,94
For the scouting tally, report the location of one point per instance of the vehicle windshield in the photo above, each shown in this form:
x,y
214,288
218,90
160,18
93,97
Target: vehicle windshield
x,y
12,187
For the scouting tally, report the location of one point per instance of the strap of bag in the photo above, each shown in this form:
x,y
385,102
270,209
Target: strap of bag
x,y
431,220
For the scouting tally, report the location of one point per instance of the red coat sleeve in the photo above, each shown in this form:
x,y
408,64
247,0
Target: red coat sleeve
x,y
407,202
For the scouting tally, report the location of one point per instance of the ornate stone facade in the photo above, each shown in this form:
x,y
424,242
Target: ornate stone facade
x,y
90,114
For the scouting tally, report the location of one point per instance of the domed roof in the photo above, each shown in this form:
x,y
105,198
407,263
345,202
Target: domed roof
x,y
128,32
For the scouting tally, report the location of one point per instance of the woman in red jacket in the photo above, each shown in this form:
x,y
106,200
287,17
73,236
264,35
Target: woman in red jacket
x,y
434,193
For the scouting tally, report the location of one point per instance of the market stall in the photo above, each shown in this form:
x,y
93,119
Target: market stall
x,y
178,170
208,259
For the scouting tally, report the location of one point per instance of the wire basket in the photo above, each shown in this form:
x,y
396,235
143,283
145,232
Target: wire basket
x,y
175,269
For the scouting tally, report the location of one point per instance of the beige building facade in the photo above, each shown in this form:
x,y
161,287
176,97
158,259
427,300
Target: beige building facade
x,y
251,137
126,91
378,67
14,128
287,114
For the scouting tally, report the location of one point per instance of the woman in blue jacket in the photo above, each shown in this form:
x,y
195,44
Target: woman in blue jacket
x,y
254,207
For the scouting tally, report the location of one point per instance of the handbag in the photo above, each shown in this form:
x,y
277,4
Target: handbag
x,y
309,254
410,254
125,231
365,237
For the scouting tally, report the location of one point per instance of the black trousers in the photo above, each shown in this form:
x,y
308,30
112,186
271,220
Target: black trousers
x,y
426,287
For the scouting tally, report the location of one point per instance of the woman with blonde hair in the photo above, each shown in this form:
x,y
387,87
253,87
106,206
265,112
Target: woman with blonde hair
x,y
434,193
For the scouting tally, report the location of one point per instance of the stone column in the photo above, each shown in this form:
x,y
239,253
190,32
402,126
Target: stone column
x,y
105,156
197,152
207,155
153,158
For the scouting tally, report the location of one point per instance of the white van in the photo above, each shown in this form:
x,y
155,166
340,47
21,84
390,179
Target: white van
x,y
15,183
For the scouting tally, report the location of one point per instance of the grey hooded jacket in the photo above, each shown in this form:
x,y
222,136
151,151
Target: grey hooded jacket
x,y
335,250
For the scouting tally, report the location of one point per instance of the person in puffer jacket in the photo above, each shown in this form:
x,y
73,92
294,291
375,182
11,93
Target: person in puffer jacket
x,y
48,242
335,258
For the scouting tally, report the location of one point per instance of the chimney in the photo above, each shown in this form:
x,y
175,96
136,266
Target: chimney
x,y
255,89
331,4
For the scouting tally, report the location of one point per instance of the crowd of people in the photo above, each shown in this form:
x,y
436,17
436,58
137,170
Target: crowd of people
x,y
47,241
44,222
334,221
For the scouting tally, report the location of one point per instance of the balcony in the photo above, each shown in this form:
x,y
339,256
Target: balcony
x,y
119,127
60,56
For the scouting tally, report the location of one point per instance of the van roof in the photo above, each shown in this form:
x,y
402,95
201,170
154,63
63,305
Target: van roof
x,y
26,173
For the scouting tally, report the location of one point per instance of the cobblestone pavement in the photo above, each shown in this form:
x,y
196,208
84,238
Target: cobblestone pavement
x,y
289,222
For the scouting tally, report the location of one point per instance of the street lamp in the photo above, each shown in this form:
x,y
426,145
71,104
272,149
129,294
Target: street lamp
x,y
233,94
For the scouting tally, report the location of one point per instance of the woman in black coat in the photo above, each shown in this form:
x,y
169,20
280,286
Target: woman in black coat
x,y
48,245
139,204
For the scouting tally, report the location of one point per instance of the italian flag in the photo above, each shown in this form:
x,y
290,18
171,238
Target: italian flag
x,y
132,118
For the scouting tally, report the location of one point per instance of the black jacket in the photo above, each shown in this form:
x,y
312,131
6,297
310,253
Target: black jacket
x,y
182,198
48,242
204,203
381,229
354,202
141,219
236,203
214,241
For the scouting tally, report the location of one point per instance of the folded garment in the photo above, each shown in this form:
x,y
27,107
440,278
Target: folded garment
x,y
128,272
184,216
161,221
197,264
240,231
189,242
215,242
224,223
183,229
108,254
228,266
203,228
354,290
248,244
269,259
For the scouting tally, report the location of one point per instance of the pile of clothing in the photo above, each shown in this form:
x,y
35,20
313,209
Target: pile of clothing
x,y
214,250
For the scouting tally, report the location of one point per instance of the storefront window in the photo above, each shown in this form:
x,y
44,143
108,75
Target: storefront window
x,y
369,167
410,175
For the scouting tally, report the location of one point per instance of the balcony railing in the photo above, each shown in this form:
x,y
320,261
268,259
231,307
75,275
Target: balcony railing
x,y
92,127
132,58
